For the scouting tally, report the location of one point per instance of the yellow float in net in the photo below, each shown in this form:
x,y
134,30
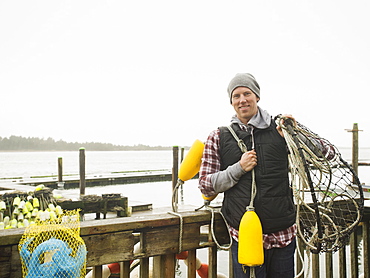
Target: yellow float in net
x,y
54,248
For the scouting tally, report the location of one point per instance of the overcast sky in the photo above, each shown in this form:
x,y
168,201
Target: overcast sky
x,y
155,72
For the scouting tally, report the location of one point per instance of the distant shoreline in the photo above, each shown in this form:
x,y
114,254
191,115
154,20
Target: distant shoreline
x,y
35,144
123,150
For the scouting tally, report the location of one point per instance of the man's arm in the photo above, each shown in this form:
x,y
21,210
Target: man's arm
x,y
211,179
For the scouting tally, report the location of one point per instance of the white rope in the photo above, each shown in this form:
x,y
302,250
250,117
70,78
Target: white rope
x,y
244,149
175,195
212,210
181,228
207,207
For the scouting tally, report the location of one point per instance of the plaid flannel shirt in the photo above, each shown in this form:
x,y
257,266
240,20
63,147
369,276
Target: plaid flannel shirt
x,y
211,164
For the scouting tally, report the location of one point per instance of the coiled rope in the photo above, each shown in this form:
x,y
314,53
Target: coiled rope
x,y
327,192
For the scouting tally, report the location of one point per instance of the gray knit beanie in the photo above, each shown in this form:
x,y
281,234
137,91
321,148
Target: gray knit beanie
x,y
244,80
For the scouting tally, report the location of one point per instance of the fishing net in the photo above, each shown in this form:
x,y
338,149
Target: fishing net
x,y
327,192
54,248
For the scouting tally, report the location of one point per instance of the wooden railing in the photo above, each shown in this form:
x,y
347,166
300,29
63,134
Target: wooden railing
x,y
113,240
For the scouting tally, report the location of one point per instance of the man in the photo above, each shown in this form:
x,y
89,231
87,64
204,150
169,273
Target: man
x,y
225,168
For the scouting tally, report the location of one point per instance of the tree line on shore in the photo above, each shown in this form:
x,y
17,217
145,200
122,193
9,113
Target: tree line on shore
x,y
19,143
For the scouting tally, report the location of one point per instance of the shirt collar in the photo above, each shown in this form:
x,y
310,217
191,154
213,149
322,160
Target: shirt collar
x,y
261,120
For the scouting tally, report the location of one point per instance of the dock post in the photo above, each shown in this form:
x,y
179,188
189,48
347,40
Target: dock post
x,y
175,167
354,131
182,154
60,169
182,186
82,172
60,183
366,244
353,237
342,263
355,148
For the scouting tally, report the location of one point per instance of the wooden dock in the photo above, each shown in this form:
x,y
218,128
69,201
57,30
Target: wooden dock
x,y
69,182
113,240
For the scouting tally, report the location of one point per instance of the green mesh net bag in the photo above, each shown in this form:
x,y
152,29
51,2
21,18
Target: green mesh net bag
x,y
54,248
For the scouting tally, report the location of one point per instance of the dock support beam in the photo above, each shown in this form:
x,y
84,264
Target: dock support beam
x,y
82,172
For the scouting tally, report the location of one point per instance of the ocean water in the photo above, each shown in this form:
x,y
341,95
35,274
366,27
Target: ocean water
x,y
28,164
31,164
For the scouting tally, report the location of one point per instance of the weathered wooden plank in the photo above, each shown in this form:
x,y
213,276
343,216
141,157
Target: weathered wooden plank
x,y
169,238
144,268
15,260
108,248
192,264
315,266
366,249
354,254
158,270
74,182
342,263
169,265
329,265
98,271
212,255
10,264
95,227
5,269
11,236
231,272
124,269
82,172
5,253
141,222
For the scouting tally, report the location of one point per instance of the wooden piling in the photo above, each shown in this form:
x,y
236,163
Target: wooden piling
x,y
60,169
175,167
342,263
182,154
354,131
82,172
355,148
354,254
366,247
315,265
353,237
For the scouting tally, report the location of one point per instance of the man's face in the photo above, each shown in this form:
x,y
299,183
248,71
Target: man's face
x,y
244,102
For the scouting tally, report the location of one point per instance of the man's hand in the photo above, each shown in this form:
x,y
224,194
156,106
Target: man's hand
x,y
278,128
248,160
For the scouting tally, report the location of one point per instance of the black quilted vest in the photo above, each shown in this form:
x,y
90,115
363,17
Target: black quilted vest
x,y
274,200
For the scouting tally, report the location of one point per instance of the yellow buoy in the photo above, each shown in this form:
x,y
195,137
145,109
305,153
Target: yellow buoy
x,y
191,164
210,198
250,250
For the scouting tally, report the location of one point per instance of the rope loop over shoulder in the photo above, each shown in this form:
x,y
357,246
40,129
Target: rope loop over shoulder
x,y
244,149
241,143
